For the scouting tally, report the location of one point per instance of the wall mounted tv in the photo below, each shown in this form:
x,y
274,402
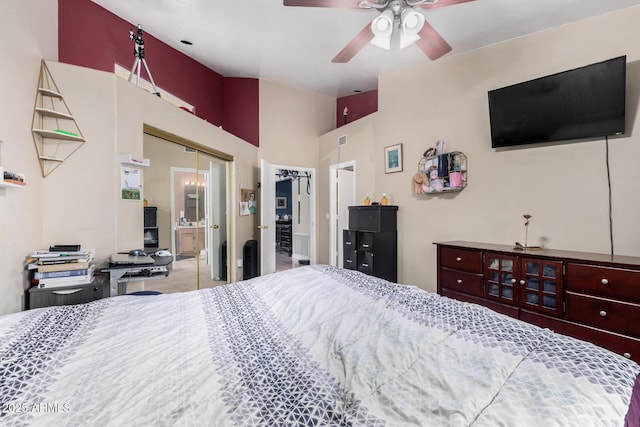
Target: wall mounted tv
x,y
586,102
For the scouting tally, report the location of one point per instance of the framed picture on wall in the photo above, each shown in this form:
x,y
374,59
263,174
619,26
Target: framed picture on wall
x,y
281,203
247,201
393,158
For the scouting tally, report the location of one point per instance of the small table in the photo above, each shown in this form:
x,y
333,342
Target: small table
x,y
159,269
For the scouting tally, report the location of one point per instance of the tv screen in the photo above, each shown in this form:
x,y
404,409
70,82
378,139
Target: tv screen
x,y
583,103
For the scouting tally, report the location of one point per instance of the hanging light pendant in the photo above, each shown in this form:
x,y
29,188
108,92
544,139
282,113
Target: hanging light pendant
x,y
382,28
411,22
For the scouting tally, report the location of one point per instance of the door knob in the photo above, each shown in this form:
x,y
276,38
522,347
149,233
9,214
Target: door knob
x,y
263,227
216,226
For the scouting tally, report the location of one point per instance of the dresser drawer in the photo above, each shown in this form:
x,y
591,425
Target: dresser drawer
x,y
461,259
603,281
39,297
461,281
616,316
365,241
628,347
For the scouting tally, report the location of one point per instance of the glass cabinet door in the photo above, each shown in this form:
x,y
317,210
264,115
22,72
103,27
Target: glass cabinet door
x,y
542,285
501,272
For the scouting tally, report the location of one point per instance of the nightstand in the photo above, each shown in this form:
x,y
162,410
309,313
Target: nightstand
x,y
78,294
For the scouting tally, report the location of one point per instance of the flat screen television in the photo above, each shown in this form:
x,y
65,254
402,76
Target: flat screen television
x,y
583,103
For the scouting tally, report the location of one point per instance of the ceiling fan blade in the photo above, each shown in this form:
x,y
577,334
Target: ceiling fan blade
x,y
432,43
358,42
443,3
339,4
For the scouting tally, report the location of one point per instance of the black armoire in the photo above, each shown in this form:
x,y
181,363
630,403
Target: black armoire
x,y
370,245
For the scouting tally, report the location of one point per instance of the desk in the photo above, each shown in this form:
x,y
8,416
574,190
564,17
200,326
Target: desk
x,y
133,273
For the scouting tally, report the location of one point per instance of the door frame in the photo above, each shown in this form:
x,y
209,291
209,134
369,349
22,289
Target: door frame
x,y
268,226
334,193
230,177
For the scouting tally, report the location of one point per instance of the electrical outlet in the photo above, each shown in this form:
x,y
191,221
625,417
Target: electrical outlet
x,y
239,262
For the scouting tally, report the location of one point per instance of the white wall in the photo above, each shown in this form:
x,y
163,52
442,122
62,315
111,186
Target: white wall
x,y
29,33
80,202
290,122
442,99
563,186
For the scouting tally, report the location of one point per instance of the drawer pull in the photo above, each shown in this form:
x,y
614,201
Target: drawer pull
x,y
458,259
627,355
66,292
522,282
347,243
604,281
365,245
365,265
349,261
603,313
513,281
459,281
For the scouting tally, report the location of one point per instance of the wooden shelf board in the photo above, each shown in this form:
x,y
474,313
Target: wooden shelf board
x,y
57,135
49,92
51,159
52,113
12,185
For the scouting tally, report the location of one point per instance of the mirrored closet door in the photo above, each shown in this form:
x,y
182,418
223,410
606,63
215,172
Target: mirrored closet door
x,y
186,187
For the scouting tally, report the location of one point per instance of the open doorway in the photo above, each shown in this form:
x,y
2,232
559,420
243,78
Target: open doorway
x,y
293,215
287,216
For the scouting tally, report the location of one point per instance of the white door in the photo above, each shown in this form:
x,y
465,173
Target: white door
x,y
342,194
267,218
216,227
346,198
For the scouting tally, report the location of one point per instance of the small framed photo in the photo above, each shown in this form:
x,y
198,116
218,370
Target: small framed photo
x,y
281,203
393,158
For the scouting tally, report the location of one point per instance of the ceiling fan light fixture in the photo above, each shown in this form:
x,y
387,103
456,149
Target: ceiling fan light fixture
x,y
382,28
411,22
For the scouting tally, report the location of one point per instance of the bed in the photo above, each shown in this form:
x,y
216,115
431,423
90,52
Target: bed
x,y
312,346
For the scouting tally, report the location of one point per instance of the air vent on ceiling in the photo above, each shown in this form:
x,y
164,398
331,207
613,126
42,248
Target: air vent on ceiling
x,y
342,140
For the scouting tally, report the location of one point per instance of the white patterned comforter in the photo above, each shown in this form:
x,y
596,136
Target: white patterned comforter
x,y
313,346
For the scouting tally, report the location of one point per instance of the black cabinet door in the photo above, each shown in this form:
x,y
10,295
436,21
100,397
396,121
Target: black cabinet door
x,y
350,249
365,262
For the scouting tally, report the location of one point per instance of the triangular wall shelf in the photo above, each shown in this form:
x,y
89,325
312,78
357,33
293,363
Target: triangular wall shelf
x,y
55,132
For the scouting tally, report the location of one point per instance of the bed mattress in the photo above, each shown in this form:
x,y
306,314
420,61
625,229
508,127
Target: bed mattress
x,y
316,345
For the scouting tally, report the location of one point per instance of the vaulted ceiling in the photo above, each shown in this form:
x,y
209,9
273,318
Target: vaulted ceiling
x,y
295,45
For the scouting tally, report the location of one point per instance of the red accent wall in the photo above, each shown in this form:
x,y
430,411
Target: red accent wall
x,y
241,108
91,36
358,105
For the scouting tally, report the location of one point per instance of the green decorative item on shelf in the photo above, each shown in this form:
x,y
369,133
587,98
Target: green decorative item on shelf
x,y
64,132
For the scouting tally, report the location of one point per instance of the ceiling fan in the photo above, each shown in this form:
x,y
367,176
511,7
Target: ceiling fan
x,y
410,21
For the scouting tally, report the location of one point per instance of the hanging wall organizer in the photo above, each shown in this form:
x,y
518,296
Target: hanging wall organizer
x,y
55,131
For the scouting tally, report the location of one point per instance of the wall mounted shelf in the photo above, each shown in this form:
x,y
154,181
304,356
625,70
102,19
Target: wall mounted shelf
x,y
126,159
11,183
55,131
447,173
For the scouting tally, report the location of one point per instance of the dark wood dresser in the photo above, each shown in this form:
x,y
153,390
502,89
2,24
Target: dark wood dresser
x,y
593,297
